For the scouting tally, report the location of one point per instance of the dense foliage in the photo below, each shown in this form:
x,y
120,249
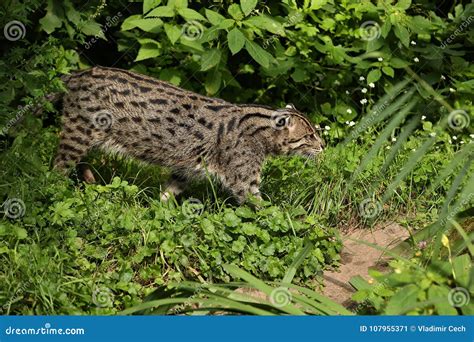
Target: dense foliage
x,y
66,247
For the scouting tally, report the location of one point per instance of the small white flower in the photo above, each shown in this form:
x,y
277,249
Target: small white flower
x,y
327,128
317,126
380,59
413,42
347,92
471,136
450,141
416,59
352,123
388,147
394,139
423,117
413,150
452,90
371,85
361,78
462,141
347,122
325,133
336,82
364,90
455,137
363,101
349,110
437,147
433,134
443,78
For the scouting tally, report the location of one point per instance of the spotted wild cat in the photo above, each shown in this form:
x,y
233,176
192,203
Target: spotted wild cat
x,y
159,123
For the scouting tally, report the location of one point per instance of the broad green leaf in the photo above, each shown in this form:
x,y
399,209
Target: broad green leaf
x,y
374,76
162,11
213,82
235,12
190,14
236,40
128,24
318,4
226,23
247,6
403,300
388,71
51,21
210,59
172,32
439,295
178,3
92,28
266,23
149,49
151,25
150,4
403,4
402,33
398,63
261,56
213,17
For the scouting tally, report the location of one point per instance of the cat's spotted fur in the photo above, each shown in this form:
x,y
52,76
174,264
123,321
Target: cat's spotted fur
x,y
157,122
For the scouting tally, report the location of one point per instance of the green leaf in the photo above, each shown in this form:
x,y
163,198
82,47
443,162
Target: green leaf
x,y
374,76
173,33
226,23
236,40
402,300
213,17
403,4
266,23
92,28
388,71
235,12
247,6
151,25
398,63
213,82
190,14
51,21
402,33
149,4
210,58
261,56
162,11
149,49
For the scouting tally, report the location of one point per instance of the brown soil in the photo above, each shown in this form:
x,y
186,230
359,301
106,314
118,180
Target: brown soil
x,y
358,257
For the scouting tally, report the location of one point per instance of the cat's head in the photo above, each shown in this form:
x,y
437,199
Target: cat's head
x,y
295,134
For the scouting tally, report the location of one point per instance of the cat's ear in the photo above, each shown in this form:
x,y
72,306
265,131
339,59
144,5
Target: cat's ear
x,y
290,106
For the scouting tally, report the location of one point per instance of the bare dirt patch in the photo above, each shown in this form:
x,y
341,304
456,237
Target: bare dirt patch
x,y
357,258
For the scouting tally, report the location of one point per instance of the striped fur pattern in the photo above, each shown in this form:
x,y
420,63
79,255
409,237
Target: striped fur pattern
x,y
159,123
